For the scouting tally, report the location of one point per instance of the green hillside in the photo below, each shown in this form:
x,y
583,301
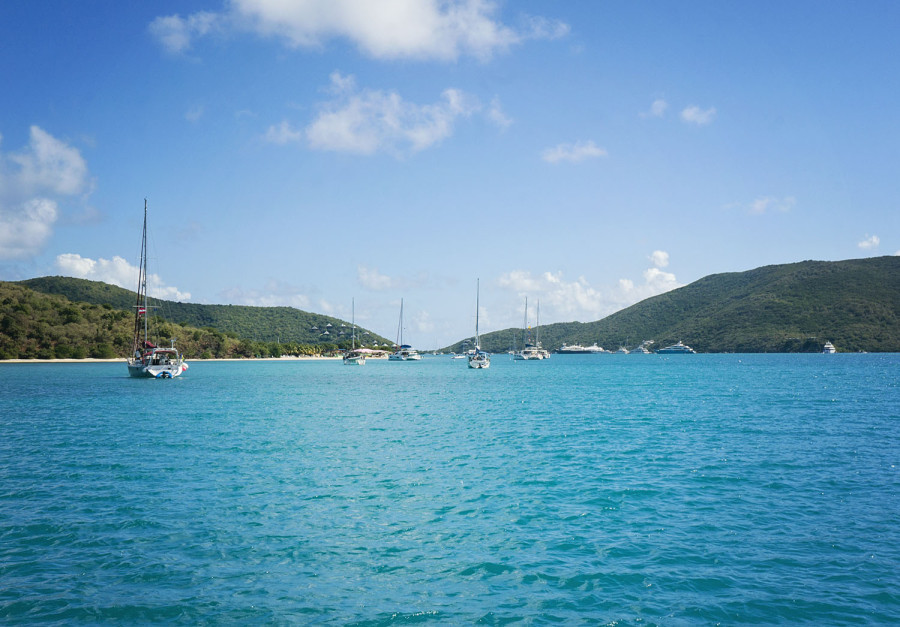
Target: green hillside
x,y
261,324
784,308
36,325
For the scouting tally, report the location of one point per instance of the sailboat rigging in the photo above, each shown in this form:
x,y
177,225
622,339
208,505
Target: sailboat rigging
x,y
354,357
404,352
478,358
149,360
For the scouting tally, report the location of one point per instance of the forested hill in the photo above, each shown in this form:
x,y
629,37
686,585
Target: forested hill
x,y
795,307
261,324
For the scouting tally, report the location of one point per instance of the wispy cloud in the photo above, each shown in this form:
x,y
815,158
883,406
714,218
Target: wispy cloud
x,y
870,242
194,113
116,271
273,294
366,121
177,34
430,29
573,153
768,204
698,116
496,115
372,279
32,183
657,109
284,133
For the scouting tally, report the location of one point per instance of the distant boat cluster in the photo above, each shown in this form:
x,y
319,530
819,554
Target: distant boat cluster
x,y
642,349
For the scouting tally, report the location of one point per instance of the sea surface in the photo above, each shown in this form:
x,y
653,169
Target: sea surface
x,y
586,489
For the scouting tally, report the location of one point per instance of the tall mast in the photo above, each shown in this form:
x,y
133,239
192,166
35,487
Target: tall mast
x,y
537,333
477,296
144,274
525,326
353,322
400,326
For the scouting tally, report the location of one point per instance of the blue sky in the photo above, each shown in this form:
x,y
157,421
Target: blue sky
x,y
586,155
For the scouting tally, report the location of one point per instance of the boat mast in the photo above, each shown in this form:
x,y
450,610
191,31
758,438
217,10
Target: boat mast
x,y
477,295
537,332
400,326
525,326
144,275
353,323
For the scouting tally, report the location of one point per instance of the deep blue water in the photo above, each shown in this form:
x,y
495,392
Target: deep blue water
x,y
598,489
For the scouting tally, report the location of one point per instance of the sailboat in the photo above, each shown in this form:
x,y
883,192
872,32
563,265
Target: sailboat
x,y
530,352
149,360
404,352
478,358
354,357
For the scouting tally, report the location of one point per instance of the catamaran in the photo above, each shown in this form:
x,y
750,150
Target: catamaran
x,y
478,358
149,360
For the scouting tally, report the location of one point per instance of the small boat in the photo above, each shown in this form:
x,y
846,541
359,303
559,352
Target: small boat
x,y
149,360
622,351
829,348
354,357
478,358
676,349
403,352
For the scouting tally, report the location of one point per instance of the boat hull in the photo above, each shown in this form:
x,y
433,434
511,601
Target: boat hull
x,y
142,371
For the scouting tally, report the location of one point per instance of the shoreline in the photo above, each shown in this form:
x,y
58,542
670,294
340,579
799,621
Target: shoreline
x,y
91,360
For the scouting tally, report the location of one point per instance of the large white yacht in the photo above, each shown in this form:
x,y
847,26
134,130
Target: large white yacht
x,y
676,349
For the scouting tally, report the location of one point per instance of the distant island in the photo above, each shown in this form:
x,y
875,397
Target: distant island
x,y
788,308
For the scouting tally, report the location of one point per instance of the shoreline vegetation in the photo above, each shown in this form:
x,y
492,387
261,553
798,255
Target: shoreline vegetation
x,y
92,360
788,308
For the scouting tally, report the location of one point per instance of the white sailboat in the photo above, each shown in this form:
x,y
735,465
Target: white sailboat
x,y
149,360
531,352
404,352
478,358
354,357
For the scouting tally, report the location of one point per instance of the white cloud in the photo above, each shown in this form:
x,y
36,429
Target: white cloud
x,y
369,121
194,113
49,165
578,300
372,279
870,243
32,183
274,294
696,115
116,271
176,34
496,115
765,204
390,29
659,258
284,133
574,153
657,109
24,229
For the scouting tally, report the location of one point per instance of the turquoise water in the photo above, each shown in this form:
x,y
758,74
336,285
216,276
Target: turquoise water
x,y
626,490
